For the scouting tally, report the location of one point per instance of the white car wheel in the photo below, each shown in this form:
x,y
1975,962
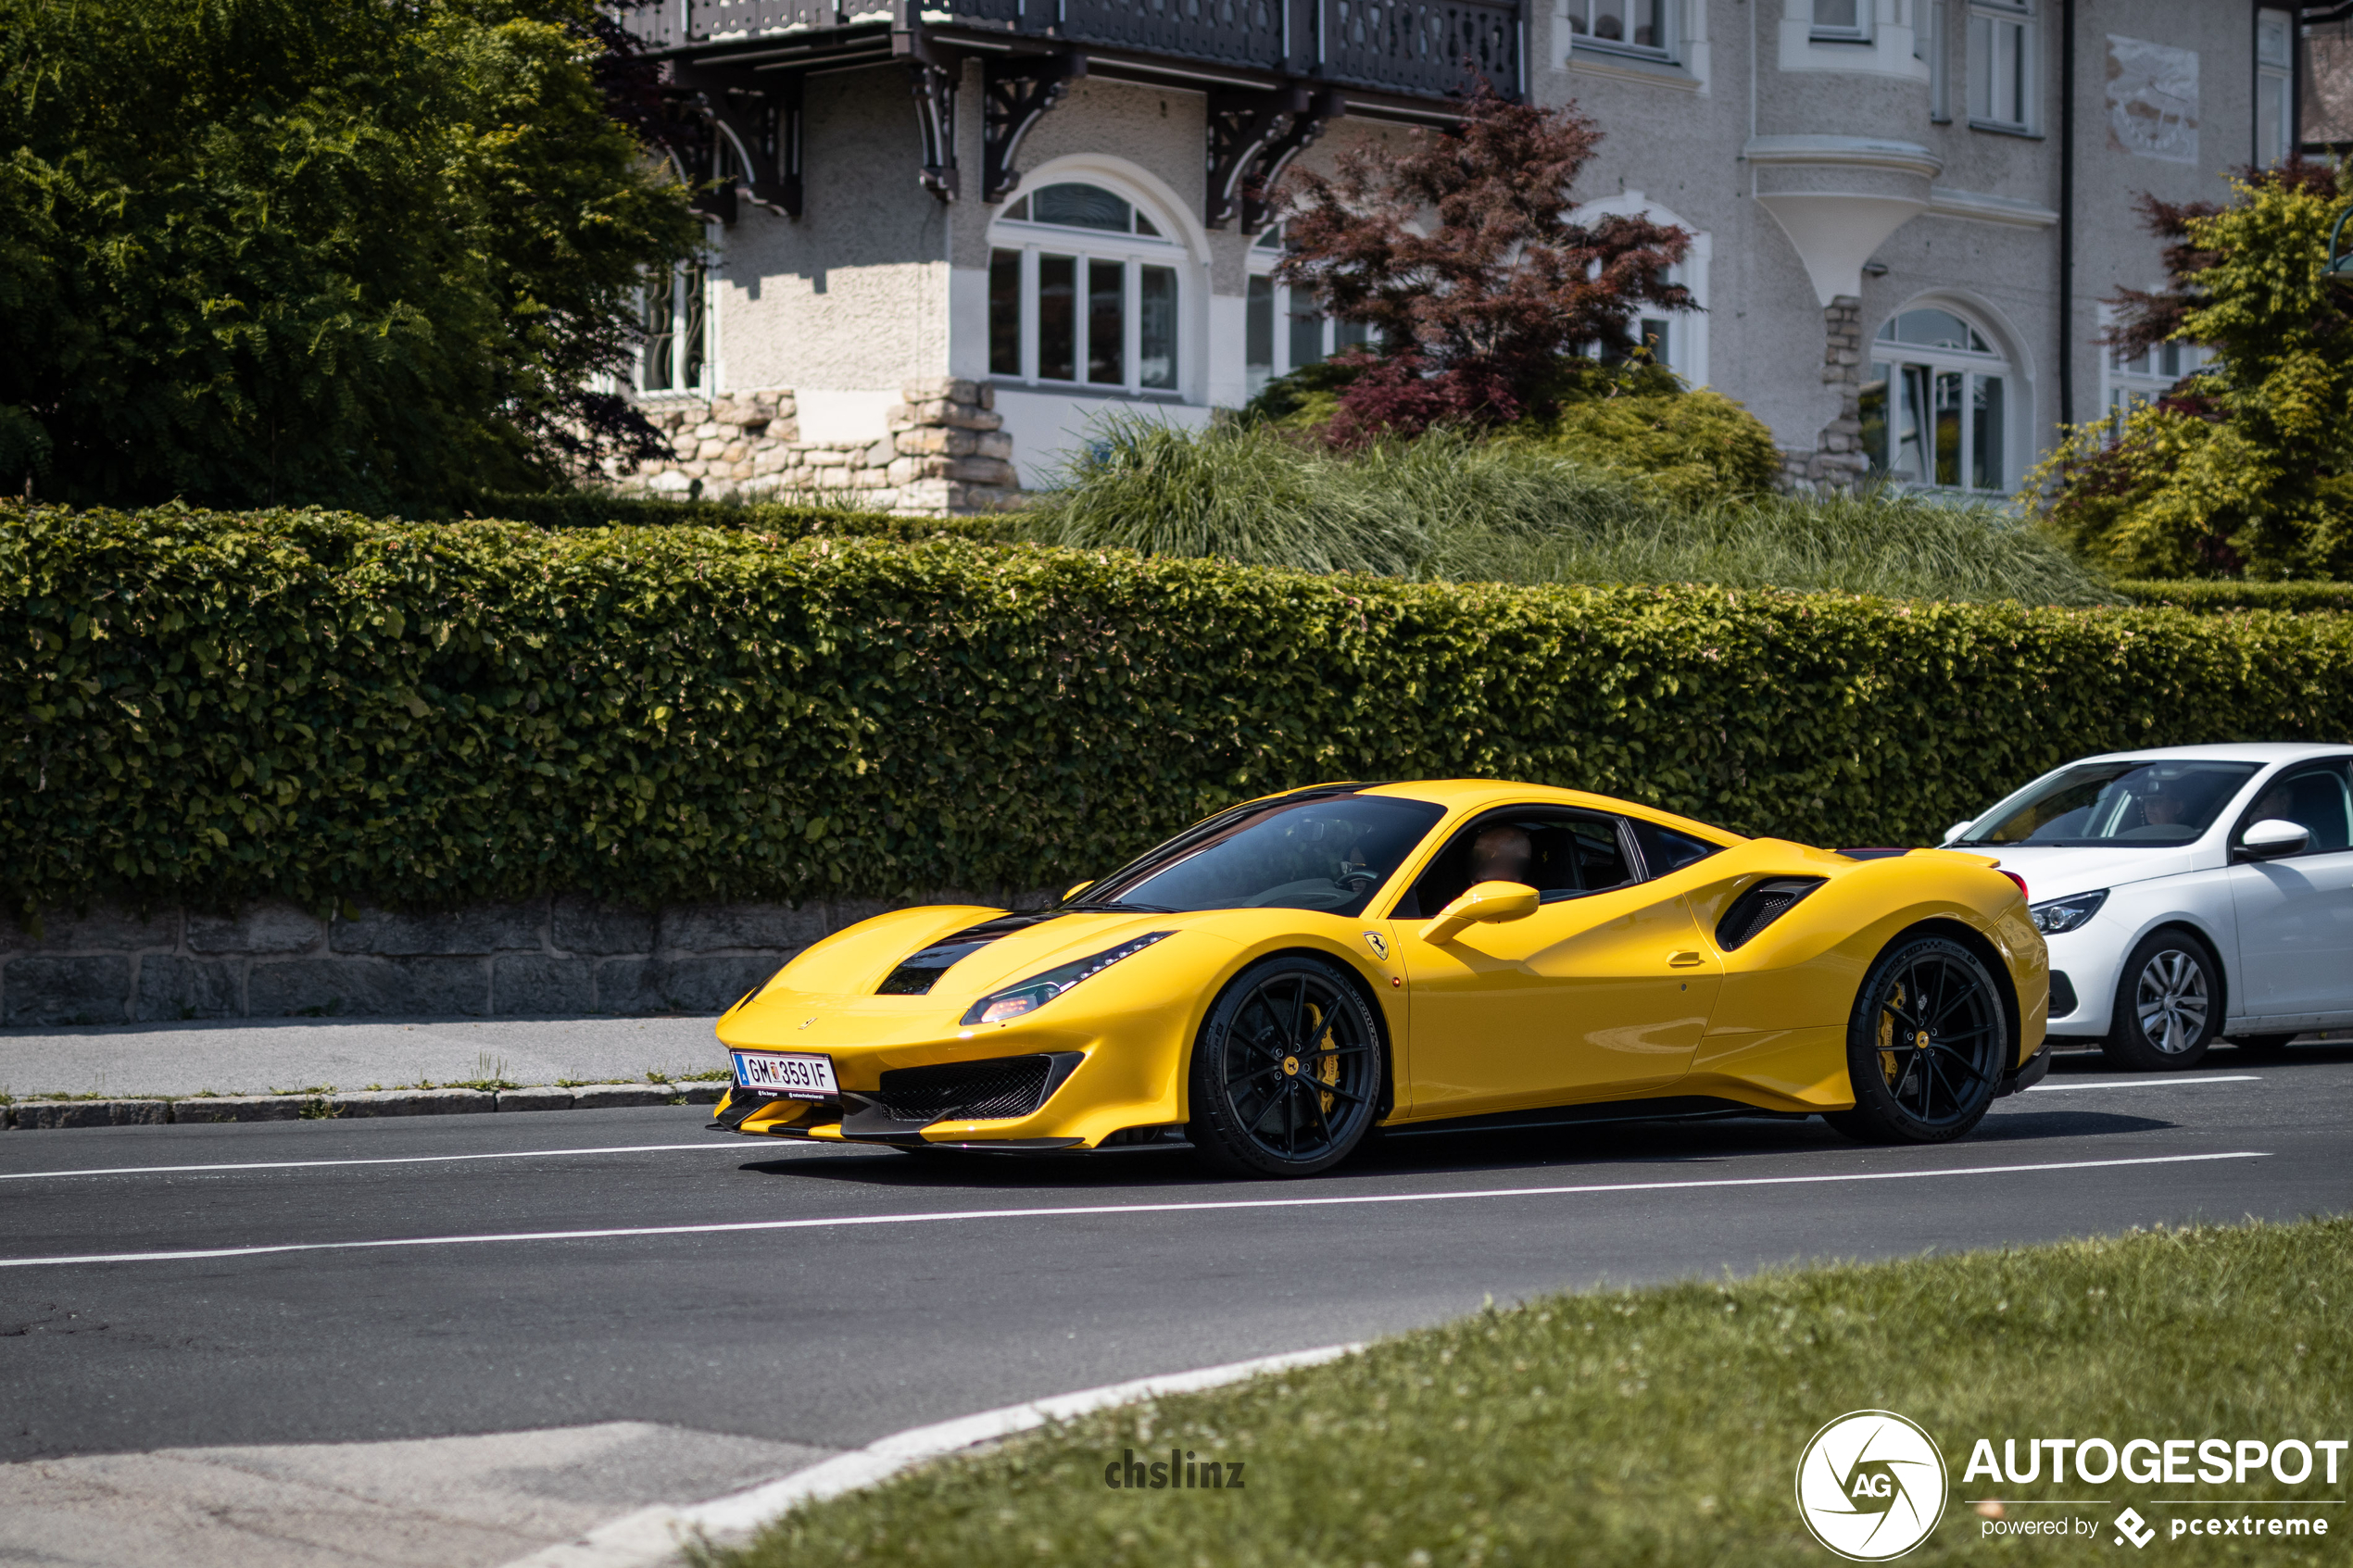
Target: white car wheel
x,y
2168,1004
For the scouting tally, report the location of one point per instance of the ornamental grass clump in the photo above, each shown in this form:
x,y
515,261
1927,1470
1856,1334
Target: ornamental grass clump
x,y
1449,508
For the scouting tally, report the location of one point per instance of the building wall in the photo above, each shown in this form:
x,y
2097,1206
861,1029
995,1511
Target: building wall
x,y
1755,134
848,302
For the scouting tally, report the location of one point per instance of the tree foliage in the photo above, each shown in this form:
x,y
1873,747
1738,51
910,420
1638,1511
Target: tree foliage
x,y
364,251
2247,466
1461,253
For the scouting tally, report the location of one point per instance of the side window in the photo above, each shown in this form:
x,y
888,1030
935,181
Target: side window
x,y
1666,851
1560,854
2317,799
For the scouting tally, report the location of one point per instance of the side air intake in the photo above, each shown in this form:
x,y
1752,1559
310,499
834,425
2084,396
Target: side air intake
x,y
1760,907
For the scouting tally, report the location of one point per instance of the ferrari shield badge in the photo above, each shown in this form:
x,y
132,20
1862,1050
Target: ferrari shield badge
x,y
1379,944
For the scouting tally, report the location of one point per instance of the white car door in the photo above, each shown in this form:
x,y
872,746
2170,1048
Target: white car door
x,y
2295,913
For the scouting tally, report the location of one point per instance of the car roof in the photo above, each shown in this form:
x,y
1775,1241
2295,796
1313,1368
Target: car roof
x,y
2264,753
1473,794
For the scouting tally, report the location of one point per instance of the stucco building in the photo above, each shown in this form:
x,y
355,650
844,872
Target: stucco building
x,y
955,238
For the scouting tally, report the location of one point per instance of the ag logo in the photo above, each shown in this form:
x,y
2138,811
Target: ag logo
x,y
1872,1486
1379,944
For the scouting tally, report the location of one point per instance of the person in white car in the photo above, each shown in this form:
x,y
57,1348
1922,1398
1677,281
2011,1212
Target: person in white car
x,y
2187,894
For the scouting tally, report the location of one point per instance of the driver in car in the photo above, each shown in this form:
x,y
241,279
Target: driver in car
x,y
1502,853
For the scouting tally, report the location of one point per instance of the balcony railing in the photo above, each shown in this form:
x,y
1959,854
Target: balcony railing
x,y
1420,47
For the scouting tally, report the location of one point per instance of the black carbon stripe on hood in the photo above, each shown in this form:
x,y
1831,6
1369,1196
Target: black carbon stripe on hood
x,y
919,973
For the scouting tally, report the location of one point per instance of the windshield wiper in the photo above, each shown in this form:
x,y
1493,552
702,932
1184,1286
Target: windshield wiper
x,y
1113,906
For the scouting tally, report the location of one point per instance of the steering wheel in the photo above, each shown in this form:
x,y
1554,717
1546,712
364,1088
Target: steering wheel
x,y
1357,880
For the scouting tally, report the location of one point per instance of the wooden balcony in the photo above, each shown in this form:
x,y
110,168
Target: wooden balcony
x,y
1407,48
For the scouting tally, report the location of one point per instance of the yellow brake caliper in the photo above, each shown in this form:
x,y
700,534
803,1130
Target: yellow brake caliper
x,y
1887,1036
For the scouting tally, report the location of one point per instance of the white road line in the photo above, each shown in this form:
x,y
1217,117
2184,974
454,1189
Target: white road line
x,y
653,1536
1058,1211
388,1160
2156,1081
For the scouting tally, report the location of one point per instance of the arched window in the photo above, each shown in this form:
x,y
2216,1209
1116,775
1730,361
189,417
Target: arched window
x,y
1083,289
1282,329
1937,405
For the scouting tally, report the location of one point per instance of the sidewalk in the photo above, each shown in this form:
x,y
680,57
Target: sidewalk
x,y
262,1056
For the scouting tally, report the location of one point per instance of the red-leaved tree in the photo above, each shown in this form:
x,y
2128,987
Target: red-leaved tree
x,y
1459,251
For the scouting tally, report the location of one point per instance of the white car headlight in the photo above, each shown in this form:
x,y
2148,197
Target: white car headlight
x,y
2066,915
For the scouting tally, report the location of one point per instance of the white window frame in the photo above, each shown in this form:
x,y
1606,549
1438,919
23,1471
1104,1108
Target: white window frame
x,y
1819,31
1331,336
1971,366
2275,78
1935,47
691,298
2127,384
1570,13
1133,253
2004,51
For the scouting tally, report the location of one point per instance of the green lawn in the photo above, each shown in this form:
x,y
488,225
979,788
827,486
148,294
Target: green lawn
x,y
1664,1426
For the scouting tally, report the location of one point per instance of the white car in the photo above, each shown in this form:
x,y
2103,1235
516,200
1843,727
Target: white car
x,y
2187,893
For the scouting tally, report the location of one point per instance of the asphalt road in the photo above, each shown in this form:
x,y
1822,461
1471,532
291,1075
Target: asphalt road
x,y
932,1304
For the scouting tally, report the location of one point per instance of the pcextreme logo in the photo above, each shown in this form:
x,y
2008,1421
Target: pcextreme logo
x,y
1871,1485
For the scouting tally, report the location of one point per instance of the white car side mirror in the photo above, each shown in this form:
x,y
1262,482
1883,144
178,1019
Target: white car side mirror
x,y
2272,837
1958,829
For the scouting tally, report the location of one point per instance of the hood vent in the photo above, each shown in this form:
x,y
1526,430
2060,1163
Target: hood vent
x,y
918,974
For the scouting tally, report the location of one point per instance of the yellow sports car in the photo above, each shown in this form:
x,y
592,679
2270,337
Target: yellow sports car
x,y
1274,983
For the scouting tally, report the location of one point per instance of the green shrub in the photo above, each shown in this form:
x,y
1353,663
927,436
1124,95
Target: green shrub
x,y
1448,507
1697,447
1629,420
2205,594
213,708
589,509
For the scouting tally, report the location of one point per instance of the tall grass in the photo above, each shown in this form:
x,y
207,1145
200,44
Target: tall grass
x,y
1446,507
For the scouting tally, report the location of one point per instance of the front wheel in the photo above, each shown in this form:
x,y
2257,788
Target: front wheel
x,y
2168,1003
1286,1073
1926,1047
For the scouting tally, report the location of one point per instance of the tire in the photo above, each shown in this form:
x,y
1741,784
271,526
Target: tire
x,y
2263,1047
1282,1026
2168,1003
1926,1047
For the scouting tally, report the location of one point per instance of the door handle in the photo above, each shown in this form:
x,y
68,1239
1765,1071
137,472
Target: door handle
x,y
1682,959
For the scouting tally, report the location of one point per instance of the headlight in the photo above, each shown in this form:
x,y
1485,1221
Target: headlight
x,y
2066,915
1040,989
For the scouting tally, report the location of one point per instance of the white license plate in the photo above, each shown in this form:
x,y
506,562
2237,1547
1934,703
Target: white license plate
x,y
803,1077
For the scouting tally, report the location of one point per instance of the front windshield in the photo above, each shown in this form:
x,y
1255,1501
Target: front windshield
x,y
2117,803
1328,852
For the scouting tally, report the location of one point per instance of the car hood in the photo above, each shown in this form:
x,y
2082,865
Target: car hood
x,y
2059,872
1005,949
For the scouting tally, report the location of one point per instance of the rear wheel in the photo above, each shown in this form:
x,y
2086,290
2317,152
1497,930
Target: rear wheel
x,y
2169,1002
1926,1047
1286,1071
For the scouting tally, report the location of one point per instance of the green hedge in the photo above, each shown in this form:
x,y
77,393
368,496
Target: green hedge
x,y
211,707
588,508
2211,596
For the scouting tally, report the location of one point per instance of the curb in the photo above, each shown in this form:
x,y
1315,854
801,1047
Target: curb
x,y
654,1538
32,1115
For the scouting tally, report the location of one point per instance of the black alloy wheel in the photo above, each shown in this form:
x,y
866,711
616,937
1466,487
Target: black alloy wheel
x,y
1286,1073
1927,1044
2169,1005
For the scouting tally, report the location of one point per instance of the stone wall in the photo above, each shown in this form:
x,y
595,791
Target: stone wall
x,y
1837,461
944,452
544,956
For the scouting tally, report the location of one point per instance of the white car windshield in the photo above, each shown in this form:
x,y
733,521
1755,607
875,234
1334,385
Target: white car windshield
x,y
1328,852
2117,803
